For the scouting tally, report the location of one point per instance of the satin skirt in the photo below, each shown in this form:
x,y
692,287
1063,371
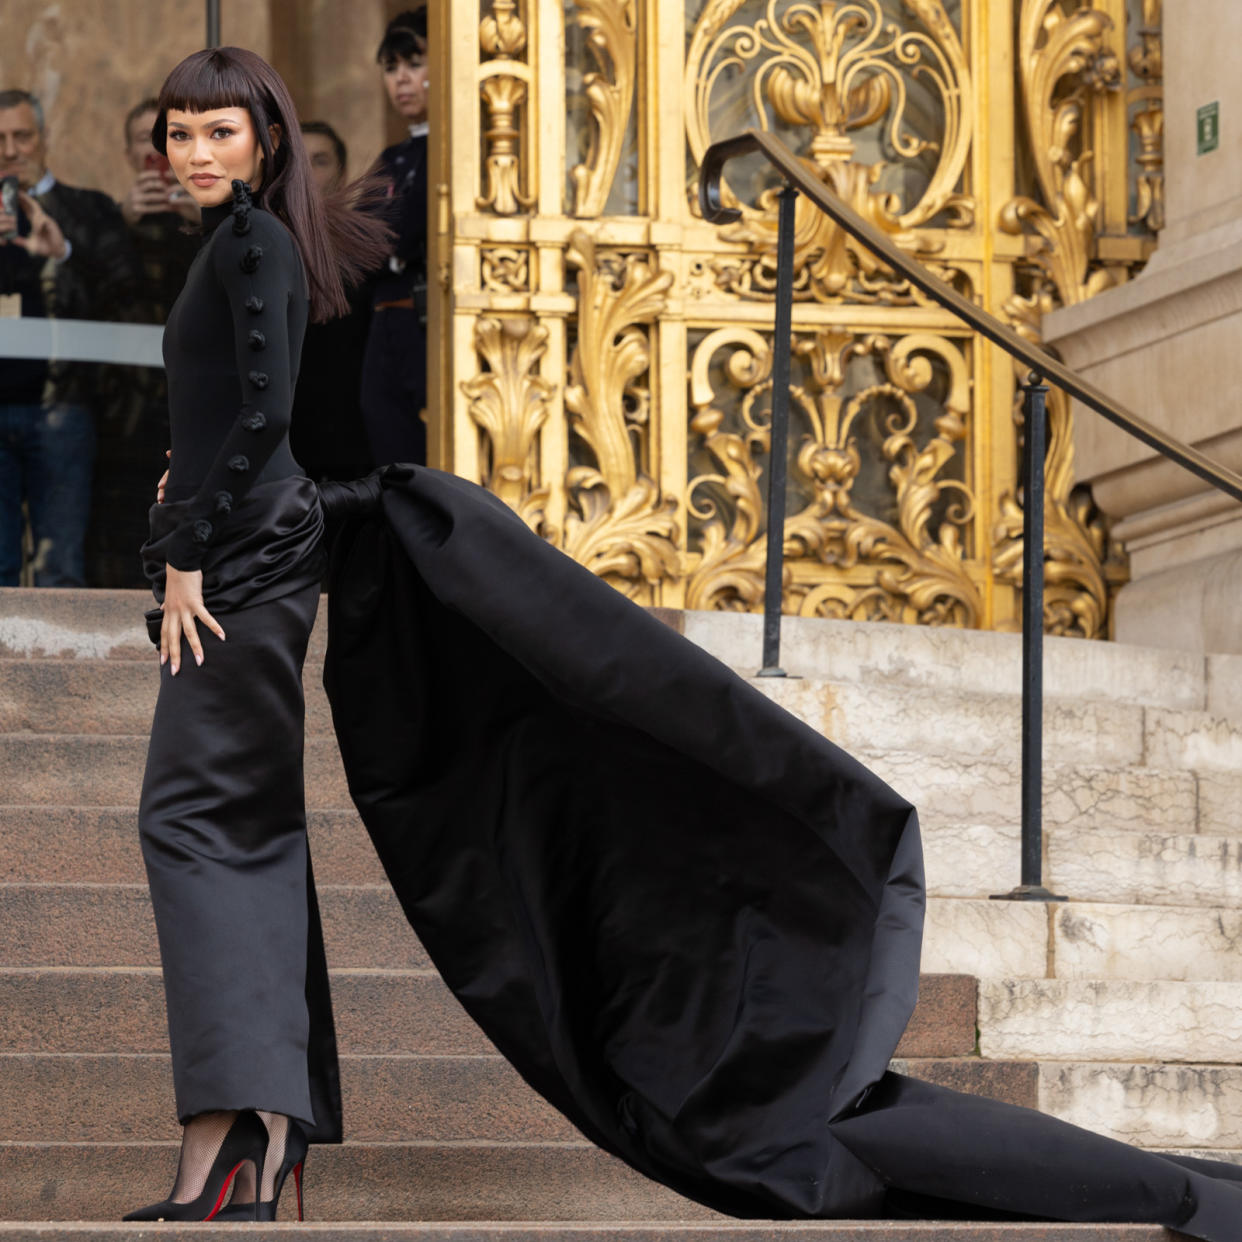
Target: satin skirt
x,y
223,830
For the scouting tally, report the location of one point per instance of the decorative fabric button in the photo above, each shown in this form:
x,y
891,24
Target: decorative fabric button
x,y
258,379
224,502
251,259
202,530
256,420
240,463
257,339
254,304
241,219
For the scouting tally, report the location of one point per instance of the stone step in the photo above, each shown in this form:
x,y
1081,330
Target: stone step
x,y
46,696
69,624
106,696
86,770
1155,868
112,1098
1187,739
966,790
121,1010
480,1181
1103,941
112,925
1150,1105
80,925
66,845
938,721
395,1097
73,624
348,1179
1110,1020
973,661
100,845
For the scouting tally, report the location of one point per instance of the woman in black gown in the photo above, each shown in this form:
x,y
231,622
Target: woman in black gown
x,y
236,549
689,921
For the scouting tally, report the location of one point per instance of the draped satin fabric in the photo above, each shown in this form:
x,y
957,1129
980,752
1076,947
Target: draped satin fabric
x,y
689,921
223,827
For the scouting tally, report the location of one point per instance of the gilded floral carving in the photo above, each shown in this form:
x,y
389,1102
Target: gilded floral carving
x,y
836,69
620,524
609,88
915,564
509,403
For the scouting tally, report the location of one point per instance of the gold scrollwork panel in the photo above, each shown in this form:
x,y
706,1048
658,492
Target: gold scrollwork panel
x,y
880,520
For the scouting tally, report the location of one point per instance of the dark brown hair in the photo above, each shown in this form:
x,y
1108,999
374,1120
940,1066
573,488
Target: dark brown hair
x,y
405,37
338,239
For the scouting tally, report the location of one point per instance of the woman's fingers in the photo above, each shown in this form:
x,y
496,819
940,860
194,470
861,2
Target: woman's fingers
x,y
170,639
211,623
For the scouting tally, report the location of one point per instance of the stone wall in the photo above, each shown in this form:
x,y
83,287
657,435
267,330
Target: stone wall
x,y
90,62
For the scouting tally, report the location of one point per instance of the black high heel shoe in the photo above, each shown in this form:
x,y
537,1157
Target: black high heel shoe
x,y
294,1162
245,1141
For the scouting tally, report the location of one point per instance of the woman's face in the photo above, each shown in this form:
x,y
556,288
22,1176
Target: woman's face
x,y
209,150
405,80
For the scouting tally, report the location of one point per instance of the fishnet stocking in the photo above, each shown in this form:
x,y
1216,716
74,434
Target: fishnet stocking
x,y
201,1140
277,1135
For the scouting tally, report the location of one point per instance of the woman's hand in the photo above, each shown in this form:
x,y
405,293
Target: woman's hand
x,y
183,606
163,483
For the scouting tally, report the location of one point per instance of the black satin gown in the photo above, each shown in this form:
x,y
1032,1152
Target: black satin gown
x,y
692,923
221,817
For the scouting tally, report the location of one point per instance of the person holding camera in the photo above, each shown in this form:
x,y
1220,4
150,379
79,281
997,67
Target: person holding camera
x,y
394,376
65,253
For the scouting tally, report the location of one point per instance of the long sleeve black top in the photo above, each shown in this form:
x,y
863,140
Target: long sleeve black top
x,y
232,345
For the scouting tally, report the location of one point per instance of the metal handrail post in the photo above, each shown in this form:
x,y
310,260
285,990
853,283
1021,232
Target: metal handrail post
x,y
1035,421
213,23
778,471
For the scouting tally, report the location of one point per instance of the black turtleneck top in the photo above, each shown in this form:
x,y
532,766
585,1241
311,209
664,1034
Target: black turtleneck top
x,y
232,343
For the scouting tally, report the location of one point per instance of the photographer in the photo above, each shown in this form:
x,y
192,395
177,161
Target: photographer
x,y
65,253
394,381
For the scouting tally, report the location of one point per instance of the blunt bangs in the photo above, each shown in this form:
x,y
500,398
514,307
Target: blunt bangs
x,y
213,78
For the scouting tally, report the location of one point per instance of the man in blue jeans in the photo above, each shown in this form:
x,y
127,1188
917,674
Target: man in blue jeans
x,y
65,254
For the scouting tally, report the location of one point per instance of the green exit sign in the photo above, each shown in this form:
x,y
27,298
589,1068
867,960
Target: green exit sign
x,y
1207,121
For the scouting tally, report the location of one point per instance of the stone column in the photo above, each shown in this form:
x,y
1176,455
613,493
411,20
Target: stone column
x,y
1168,345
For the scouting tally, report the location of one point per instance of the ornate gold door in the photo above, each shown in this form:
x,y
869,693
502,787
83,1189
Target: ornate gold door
x,y
601,355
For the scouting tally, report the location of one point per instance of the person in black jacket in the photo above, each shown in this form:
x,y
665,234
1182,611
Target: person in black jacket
x,y
67,255
394,381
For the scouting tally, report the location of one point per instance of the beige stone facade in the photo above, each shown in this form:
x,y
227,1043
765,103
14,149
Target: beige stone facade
x,y
1169,346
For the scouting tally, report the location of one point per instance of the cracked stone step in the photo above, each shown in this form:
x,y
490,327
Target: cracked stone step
x,y
480,1181
893,717
1110,1020
976,661
1156,1106
1197,740
112,925
967,790
121,1010
1105,941
1156,868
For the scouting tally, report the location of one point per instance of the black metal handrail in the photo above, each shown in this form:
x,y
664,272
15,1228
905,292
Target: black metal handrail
x,y
798,178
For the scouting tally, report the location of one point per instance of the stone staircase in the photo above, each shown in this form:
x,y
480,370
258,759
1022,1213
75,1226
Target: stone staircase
x,y
1119,1009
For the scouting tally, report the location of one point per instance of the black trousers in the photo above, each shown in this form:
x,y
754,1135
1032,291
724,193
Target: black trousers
x,y
223,827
